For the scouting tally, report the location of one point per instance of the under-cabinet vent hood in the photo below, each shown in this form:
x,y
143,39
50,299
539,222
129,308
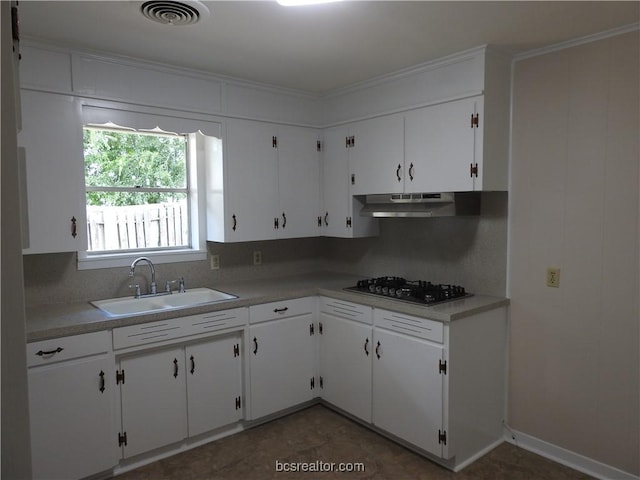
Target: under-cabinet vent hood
x,y
422,204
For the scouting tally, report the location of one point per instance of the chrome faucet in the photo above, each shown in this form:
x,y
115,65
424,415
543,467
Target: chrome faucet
x,y
153,287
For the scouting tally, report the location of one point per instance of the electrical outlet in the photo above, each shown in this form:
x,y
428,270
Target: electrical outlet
x,y
257,257
553,277
215,262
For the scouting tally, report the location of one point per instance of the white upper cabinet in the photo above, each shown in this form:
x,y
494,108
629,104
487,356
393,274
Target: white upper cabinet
x,y
268,184
251,183
55,220
298,182
376,155
443,126
340,215
443,147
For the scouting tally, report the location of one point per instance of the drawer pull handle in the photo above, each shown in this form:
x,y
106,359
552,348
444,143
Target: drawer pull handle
x,y
255,345
49,352
378,350
280,310
366,347
175,368
193,365
101,374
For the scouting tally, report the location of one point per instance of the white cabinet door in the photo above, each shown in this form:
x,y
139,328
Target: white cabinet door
x,y
376,157
335,183
70,406
345,364
214,383
52,137
341,212
408,388
298,182
282,362
441,145
252,180
154,410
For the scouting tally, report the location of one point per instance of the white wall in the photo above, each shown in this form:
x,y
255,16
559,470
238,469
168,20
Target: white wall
x,y
574,366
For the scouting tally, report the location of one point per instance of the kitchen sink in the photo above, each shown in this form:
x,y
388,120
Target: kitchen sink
x,y
156,303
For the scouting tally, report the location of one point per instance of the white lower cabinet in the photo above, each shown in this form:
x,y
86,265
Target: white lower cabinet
x,y
171,392
214,383
282,355
408,388
346,348
154,412
71,392
438,387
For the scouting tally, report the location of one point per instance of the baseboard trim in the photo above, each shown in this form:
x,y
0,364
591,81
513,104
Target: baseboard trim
x,y
568,458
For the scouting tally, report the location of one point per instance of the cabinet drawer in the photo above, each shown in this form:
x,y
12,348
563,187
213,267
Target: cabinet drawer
x,y
283,309
210,322
409,325
124,337
67,348
341,308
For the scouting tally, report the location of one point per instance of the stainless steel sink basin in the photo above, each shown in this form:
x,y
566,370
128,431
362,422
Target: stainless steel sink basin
x,y
135,306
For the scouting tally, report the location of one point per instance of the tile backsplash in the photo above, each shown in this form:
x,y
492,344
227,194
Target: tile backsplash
x,y
470,251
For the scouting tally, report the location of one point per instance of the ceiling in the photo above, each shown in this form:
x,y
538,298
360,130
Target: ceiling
x,y
318,48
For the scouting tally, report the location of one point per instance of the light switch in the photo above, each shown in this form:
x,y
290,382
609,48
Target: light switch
x,y
215,262
553,277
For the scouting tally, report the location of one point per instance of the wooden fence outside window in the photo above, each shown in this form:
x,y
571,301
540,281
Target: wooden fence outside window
x,y
138,226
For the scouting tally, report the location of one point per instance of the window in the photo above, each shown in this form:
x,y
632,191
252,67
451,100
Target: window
x,y
137,190
146,185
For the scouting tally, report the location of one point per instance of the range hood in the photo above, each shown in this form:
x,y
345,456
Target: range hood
x,y
422,204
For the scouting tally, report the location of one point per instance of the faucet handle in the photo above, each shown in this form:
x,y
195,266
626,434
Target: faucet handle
x,y
181,284
137,287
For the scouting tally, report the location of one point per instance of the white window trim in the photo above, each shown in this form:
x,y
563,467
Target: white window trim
x,y
110,260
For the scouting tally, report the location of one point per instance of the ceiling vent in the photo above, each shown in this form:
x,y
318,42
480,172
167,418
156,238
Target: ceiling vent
x,y
169,12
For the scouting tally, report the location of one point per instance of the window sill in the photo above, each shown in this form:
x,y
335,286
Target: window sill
x,y
90,262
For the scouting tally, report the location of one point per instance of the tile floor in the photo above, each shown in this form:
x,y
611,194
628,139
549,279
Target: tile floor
x,y
319,434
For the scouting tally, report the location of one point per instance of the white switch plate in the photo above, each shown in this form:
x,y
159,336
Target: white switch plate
x,y
553,277
215,262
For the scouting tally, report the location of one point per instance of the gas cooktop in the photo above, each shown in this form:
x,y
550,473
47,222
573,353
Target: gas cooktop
x,y
413,291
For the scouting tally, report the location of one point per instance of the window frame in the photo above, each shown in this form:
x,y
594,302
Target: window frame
x,y
137,189
198,129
